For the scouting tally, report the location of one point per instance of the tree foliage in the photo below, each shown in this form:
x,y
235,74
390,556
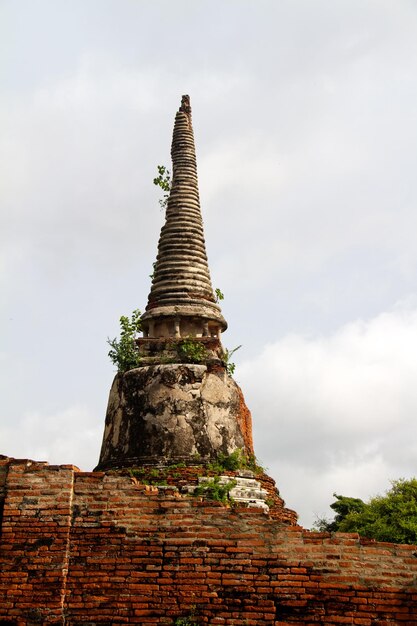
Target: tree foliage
x,y
391,517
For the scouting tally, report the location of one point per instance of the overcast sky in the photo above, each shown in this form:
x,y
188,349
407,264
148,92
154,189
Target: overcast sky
x,y
305,120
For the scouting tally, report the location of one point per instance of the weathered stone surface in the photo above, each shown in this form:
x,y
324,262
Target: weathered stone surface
x,y
154,351
176,412
181,284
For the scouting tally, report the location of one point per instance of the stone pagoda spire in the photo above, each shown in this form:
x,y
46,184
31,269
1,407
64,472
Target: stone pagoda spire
x,y
181,302
180,403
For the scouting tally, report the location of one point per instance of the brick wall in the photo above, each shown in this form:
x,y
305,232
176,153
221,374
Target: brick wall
x,y
91,548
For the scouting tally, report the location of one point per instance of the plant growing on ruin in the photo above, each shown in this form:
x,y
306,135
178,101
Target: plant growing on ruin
x,y
136,472
215,490
191,351
124,351
219,294
230,462
234,461
151,276
230,367
163,180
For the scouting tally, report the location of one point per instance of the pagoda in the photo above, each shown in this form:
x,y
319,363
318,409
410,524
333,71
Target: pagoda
x,y
180,404
181,302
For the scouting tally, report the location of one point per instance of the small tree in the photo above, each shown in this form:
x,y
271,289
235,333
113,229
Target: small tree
x,y
391,517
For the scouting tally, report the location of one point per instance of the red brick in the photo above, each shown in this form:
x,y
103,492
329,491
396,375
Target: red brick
x,y
131,564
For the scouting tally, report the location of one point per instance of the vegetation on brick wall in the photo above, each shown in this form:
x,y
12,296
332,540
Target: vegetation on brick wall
x,y
213,489
237,566
391,517
223,464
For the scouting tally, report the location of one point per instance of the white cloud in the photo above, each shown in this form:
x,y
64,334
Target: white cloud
x,y
337,409
72,436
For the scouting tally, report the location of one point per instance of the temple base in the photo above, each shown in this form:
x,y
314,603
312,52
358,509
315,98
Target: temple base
x,y
164,414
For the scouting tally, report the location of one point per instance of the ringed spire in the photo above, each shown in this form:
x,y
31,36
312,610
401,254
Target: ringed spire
x,y
181,301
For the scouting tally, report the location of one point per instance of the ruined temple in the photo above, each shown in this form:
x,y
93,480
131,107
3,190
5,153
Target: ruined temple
x,y
180,405
178,525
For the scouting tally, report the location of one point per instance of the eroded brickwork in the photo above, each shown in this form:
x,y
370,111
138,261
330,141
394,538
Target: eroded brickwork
x,y
94,548
34,546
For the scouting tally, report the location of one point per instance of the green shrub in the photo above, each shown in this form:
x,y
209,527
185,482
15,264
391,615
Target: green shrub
x,y
213,489
136,472
124,351
192,351
235,461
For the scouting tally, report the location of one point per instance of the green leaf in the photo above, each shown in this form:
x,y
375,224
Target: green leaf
x,y
124,351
